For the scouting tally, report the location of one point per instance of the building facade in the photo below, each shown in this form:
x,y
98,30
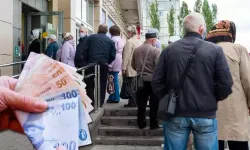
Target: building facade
x,y
19,17
164,7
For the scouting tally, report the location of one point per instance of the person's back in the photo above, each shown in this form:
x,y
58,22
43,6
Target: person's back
x,y
68,50
101,47
53,47
208,80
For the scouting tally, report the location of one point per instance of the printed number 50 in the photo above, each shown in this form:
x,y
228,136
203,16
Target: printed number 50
x,y
61,83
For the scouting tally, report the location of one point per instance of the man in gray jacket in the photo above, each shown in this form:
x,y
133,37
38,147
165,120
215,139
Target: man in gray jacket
x,y
146,55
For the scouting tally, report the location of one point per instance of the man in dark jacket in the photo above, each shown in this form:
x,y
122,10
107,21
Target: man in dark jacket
x,y
52,47
207,82
79,62
99,48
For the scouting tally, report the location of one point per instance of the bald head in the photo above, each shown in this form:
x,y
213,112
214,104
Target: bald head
x,y
103,28
194,22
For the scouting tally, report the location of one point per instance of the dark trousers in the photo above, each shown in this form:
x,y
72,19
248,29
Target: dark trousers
x,y
234,145
90,88
142,98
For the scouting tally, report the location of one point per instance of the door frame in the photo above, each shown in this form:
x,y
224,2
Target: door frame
x,y
53,13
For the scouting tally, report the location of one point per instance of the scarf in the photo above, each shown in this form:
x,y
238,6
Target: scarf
x,y
223,31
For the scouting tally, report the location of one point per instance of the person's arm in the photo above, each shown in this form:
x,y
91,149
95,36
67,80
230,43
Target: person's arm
x,y
65,53
49,51
112,52
156,57
37,47
245,73
223,79
133,65
159,77
56,47
84,54
126,54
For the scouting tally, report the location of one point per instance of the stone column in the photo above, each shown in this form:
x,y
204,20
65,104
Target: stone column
x,y
97,14
6,35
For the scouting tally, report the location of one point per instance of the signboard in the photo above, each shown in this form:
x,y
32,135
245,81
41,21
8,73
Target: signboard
x,y
16,51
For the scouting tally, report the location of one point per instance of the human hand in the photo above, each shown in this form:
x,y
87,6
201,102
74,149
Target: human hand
x,y
10,100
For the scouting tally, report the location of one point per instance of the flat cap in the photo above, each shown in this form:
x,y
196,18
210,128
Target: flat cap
x,y
150,35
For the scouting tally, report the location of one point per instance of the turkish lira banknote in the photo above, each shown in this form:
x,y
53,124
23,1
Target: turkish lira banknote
x,y
53,81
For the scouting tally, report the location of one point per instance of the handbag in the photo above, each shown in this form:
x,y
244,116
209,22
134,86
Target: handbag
x,y
139,78
167,104
110,85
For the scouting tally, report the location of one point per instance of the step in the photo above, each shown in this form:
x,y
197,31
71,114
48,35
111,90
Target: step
x,y
123,112
120,120
126,140
128,131
125,147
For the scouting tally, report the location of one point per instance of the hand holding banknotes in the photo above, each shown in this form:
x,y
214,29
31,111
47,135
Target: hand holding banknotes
x,y
10,99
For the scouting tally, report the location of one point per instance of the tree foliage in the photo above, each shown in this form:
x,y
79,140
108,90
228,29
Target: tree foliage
x,y
214,13
170,19
183,13
154,16
207,13
198,6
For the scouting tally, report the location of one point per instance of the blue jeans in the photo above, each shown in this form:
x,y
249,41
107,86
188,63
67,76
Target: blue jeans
x,y
177,130
116,95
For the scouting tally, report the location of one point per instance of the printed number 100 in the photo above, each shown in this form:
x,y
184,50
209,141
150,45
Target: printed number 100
x,y
68,106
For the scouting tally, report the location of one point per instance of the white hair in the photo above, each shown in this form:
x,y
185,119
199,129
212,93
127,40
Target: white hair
x,y
193,21
83,28
68,35
36,33
52,36
132,29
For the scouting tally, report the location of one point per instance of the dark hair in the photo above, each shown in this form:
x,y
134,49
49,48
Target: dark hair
x,y
103,28
114,30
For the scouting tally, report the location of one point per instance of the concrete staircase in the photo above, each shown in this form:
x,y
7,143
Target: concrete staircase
x,y
119,127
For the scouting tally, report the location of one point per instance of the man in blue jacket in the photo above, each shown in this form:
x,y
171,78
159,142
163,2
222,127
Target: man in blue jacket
x,y
208,81
52,47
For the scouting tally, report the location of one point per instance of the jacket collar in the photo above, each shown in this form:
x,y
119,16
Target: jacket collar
x,y
193,34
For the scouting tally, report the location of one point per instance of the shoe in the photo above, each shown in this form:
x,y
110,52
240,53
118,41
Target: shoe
x,y
129,105
109,101
142,125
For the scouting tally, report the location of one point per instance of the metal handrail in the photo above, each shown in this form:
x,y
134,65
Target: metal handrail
x,y
12,64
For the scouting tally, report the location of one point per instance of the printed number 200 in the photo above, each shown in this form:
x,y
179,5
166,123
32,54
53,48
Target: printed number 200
x,y
69,146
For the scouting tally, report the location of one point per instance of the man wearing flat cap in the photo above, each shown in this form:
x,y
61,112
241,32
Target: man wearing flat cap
x,y
144,62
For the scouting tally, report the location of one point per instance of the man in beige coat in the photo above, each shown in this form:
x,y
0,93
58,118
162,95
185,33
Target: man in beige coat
x,y
233,113
129,73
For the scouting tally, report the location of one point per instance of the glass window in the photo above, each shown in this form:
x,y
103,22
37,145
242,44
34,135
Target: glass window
x,y
90,12
84,10
78,9
103,19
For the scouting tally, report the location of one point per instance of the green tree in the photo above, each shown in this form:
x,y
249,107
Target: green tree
x,y
170,19
154,16
214,13
207,13
183,13
198,6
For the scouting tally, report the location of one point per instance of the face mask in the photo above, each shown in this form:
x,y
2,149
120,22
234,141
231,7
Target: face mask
x,y
204,34
82,35
49,42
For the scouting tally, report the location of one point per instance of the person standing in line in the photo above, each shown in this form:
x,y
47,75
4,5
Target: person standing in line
x,y
59,52
144,61
35,43
208,80
99,49
79,62
233,113
128,72
68,50
158,43
52,48
116,65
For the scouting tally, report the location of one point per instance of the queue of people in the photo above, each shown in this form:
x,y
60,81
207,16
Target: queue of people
x,y
199,84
